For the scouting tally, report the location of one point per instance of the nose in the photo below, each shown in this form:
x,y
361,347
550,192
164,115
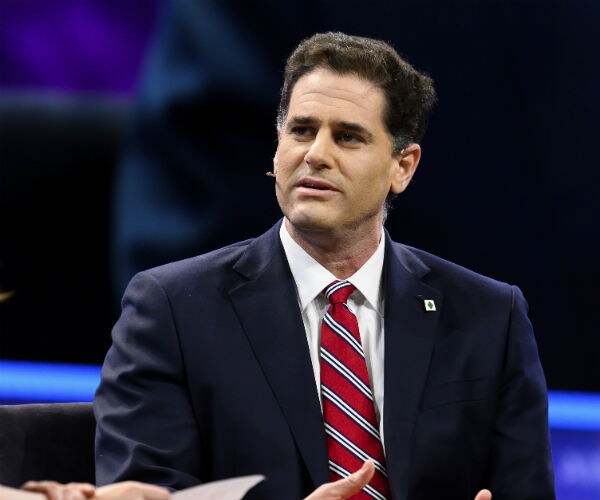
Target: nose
x,y
320,152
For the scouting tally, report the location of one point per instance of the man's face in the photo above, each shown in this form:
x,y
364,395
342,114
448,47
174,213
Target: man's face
x,y
334,161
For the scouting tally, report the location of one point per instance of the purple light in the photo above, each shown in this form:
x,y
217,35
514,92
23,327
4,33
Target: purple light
x,y
69,45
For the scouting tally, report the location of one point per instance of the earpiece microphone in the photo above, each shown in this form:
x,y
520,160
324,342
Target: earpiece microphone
x,y
271,174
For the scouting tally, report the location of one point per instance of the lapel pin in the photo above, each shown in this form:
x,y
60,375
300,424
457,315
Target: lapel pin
x,y
429,305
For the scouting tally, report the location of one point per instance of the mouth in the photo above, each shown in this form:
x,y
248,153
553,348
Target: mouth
x,y
309,183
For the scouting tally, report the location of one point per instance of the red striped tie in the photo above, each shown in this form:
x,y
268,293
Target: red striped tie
x,y
348,411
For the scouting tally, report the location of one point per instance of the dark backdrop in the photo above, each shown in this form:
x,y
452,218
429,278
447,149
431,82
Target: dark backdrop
x,y
507,184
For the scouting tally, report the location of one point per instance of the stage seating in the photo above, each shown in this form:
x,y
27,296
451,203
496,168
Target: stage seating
x,y
52,441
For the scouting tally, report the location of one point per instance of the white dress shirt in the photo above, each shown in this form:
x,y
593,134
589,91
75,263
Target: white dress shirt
x,y
366,302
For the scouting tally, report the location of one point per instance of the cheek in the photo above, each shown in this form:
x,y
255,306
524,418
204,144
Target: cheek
x,y
289,154
372,173
373,189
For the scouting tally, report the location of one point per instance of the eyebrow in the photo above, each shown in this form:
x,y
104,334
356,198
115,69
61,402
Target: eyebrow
x,y
355,127
350,126
302,120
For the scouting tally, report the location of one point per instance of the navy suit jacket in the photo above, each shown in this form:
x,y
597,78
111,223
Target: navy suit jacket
x,y
209,376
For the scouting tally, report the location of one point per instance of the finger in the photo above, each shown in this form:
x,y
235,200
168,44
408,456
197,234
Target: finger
x,y
72,492
131,490
30,485
82,489
38,485
484,495
51,489
152,492
357,481
345,488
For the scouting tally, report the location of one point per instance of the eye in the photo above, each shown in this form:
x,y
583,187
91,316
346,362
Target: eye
x,y
349,138
301,131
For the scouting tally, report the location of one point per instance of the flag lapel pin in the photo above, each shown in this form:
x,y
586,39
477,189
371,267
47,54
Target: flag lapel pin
x,y
429,305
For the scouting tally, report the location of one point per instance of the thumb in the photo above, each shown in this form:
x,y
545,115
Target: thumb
x,y
347,487
355,482
484,495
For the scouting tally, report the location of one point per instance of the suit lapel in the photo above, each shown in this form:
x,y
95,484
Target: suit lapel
x,y
268,310
409,336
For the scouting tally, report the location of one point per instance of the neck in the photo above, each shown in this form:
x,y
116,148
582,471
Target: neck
x,y
342,254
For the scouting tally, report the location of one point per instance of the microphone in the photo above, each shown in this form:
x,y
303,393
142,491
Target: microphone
x,y
271,174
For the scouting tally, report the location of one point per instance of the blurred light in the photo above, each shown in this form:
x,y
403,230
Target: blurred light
x,y
33,381
574,410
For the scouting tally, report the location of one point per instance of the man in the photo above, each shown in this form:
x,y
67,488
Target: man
x,y
238,362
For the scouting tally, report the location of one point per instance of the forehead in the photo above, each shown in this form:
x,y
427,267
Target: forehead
x,y
325,95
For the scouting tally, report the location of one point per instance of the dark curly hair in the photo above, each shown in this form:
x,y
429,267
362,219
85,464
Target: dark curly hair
x,y
409,94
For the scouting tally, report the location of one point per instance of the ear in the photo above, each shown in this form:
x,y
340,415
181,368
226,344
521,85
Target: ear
x,y
405,165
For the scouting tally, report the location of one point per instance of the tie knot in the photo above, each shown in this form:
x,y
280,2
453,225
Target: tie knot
x,y
338,291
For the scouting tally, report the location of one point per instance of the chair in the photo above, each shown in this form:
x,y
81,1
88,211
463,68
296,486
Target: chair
x,y
46,441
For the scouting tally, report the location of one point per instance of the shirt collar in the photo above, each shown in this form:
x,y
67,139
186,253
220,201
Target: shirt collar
x,y
311,277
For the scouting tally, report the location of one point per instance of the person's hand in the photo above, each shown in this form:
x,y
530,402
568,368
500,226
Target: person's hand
x,y
131,490
345,488
57,491
484,495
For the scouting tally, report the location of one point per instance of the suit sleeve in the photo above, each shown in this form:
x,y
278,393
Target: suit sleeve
x,y
146,429
521,461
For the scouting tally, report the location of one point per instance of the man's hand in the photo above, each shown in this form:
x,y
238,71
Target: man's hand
x,y
131,490
57,491
345,488
484,495
351,485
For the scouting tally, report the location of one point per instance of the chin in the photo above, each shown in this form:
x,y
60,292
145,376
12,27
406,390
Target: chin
x,y
311,221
